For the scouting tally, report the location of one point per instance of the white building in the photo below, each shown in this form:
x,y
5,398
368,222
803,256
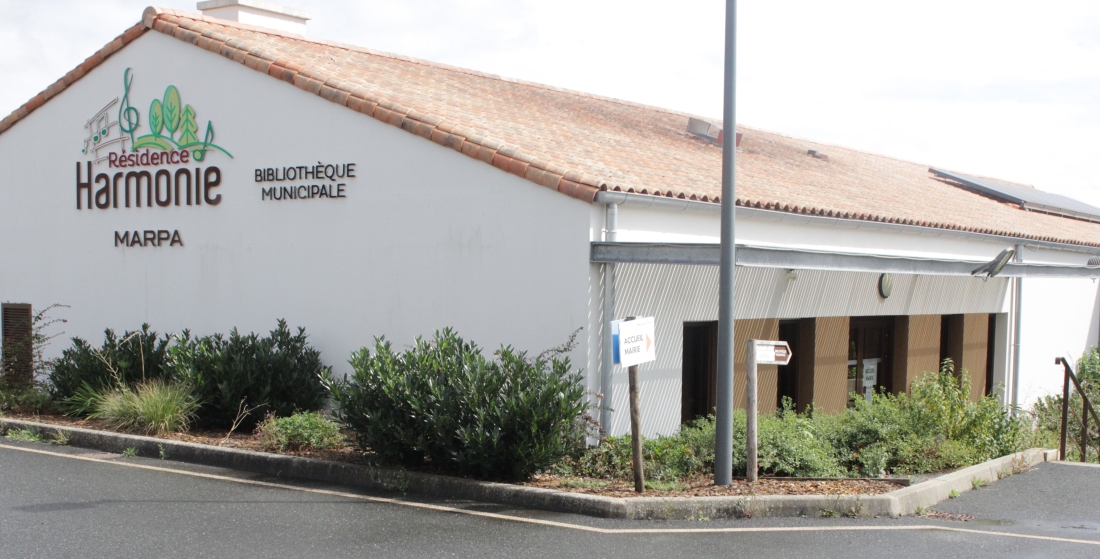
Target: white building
x,y
207,174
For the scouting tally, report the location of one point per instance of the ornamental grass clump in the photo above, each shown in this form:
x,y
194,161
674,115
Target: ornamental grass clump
x,y
152,407
442,404
301,431
134,357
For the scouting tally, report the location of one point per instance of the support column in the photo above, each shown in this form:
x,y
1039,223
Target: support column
x,y
916,348
968,347
768,376
823,364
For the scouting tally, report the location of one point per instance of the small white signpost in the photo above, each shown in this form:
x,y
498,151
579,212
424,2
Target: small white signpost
x,y
635,343
759,352
870,377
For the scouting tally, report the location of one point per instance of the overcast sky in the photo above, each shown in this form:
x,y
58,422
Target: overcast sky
x,y
999,88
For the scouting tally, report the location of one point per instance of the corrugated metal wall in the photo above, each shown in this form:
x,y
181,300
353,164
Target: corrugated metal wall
x,y
675,294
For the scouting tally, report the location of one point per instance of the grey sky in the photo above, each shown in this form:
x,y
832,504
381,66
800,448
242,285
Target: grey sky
x,y
1008,89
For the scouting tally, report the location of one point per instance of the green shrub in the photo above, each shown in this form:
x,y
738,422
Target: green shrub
x,y
787,447
689,452
151,407
1046,413
937,428
25,435
307,430
444,403
280,374
133,358
26,398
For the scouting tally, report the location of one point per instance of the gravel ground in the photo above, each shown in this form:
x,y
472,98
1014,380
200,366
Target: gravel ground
x,y
703,486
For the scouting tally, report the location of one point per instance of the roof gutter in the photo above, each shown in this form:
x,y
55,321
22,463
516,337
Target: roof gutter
x,y
798,259
645,201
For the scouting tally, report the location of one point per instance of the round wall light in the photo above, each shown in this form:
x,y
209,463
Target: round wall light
x,y
885,285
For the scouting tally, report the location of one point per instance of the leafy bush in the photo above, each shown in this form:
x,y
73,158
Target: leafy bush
x,y
133,358
307,430
936,428
26,398
150,407
443,403
787,447
1047,411
245,374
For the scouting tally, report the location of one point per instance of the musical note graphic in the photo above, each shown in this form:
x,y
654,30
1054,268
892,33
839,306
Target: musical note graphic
x,y
207,141
99,129
128,117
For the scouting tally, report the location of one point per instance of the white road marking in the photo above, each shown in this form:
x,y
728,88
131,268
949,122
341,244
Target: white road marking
x,y
566,525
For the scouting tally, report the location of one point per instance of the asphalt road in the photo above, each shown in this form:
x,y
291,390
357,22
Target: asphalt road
x,y
58,505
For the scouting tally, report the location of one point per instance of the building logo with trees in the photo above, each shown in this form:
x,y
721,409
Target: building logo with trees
x,y
172,128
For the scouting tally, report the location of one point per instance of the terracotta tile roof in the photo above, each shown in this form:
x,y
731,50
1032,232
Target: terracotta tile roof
x,y
579,143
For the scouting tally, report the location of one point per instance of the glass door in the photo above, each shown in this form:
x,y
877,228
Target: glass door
x,y
870,356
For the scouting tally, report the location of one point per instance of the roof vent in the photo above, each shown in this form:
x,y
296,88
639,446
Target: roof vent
x,y
257,12
817,155
709,131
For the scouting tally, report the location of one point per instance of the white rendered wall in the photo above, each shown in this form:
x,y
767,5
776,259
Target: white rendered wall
x,y
426,237
1060,319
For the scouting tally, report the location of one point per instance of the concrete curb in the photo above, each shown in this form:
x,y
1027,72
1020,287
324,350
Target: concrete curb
x,y
896,503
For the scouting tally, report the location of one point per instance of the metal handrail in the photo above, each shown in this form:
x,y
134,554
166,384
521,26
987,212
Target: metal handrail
x,y
1086,409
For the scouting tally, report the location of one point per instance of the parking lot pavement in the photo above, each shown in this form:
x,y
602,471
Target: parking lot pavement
x,y
54,504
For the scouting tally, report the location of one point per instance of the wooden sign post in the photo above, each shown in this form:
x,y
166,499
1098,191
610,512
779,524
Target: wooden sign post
x,y
758,352
634,344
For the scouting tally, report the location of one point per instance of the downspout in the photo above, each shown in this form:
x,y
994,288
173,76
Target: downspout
x,y
611,224
1018,305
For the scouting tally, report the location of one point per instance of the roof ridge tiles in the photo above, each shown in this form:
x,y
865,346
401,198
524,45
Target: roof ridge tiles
x,y
153,12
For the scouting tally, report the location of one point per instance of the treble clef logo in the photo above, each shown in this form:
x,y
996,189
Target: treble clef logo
x,y
128,117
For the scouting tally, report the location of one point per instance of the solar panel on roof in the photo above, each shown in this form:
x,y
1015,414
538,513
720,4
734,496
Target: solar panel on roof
x,y
1027,198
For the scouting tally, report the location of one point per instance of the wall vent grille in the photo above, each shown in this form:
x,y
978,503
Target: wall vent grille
x,y
18,353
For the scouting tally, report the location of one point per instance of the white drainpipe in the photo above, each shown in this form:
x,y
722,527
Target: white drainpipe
x,y
1018,307
611,224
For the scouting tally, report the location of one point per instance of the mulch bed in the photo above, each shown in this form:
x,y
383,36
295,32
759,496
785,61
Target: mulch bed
x,y
699,486
703,486
245,441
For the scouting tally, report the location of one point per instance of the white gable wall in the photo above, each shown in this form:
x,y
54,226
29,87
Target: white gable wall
x,y
426,237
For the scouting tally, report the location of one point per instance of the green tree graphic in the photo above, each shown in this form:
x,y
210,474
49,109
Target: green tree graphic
x,y
188,128
171,110
156,117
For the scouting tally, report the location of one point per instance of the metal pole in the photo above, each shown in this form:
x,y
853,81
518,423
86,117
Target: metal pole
x,y
723,433
750,412
611,225
636,430
1065,411
1016,334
